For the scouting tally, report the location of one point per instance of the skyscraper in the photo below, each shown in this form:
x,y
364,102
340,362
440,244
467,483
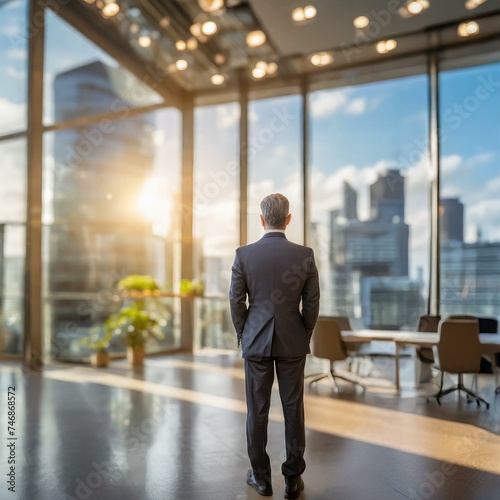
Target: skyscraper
x,y
365,254
451,219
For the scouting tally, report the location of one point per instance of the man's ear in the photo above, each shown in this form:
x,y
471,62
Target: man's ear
x,y
288,219
262,221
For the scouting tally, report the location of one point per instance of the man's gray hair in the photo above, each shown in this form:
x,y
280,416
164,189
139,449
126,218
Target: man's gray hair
x,y
275,209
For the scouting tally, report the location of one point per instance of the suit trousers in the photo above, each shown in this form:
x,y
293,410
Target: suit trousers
x,y
259,378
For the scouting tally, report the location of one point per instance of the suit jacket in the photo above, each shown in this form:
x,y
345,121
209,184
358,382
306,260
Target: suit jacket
x,y
276,274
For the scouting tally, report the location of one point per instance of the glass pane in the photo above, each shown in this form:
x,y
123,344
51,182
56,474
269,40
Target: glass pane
x,y
369,192
110,210
80,79
275,161
12,244
13,70
216,217
470,187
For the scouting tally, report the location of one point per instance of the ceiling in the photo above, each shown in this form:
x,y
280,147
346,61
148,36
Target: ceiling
x,y
288,45
333,26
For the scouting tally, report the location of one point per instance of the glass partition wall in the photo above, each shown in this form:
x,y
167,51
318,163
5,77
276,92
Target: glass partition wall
x,y
112,189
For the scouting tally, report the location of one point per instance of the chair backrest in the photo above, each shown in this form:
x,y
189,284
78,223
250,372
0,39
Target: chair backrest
x,y
342,321
327,341
459,348
428,323
488,325
461,316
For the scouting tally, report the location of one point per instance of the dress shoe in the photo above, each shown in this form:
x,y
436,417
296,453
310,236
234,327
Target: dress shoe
x,y
260,485
293,486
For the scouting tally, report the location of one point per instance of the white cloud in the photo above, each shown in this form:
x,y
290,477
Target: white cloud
x,y
450,164
15,73
356,106
17,54
10,31
327,103
12,115
13,181
227,116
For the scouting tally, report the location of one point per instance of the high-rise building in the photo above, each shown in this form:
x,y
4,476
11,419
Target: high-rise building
x,y
451,220
99,233
364,253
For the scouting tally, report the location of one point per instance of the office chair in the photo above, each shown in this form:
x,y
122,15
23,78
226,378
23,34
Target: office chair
x,y
327,344
458,351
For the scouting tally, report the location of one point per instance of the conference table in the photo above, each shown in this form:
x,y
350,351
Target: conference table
x,y
490,344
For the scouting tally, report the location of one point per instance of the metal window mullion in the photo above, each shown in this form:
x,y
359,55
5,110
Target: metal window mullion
x,y
33,356
434,298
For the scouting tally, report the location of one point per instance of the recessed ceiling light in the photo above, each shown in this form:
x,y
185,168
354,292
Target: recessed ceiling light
x,y
321,59
90,1
468,29
415,7
110,9
220,59
192,43
261,65
144,41
310,11
195,29
272,67
181,64
258,73
164,22
217,79
302,14
209,28
472,4
211,5
255,38
386,46
180,45
361,22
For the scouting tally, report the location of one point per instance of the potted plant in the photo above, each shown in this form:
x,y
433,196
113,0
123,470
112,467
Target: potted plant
x,y
192,288
136,327
134,323
99,344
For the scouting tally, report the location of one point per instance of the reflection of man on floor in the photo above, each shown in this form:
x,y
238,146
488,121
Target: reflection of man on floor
x,y
276,275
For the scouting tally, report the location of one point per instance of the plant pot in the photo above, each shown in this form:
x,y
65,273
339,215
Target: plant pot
x,y
135,355
99,359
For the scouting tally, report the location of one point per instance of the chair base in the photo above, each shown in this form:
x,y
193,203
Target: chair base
x,y
458,387
333,375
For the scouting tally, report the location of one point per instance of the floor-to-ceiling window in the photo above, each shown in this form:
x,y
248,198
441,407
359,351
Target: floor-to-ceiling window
x,y
111,193
470,186
13,120
275,160
216,217
369,194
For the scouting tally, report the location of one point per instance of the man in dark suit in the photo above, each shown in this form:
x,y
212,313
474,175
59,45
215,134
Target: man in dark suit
x,y
275,275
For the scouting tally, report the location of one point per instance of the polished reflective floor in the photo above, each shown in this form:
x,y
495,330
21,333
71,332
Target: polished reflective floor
x,y
175,430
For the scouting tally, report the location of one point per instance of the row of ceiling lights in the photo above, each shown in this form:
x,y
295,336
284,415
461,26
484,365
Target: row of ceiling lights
x,y
203,30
